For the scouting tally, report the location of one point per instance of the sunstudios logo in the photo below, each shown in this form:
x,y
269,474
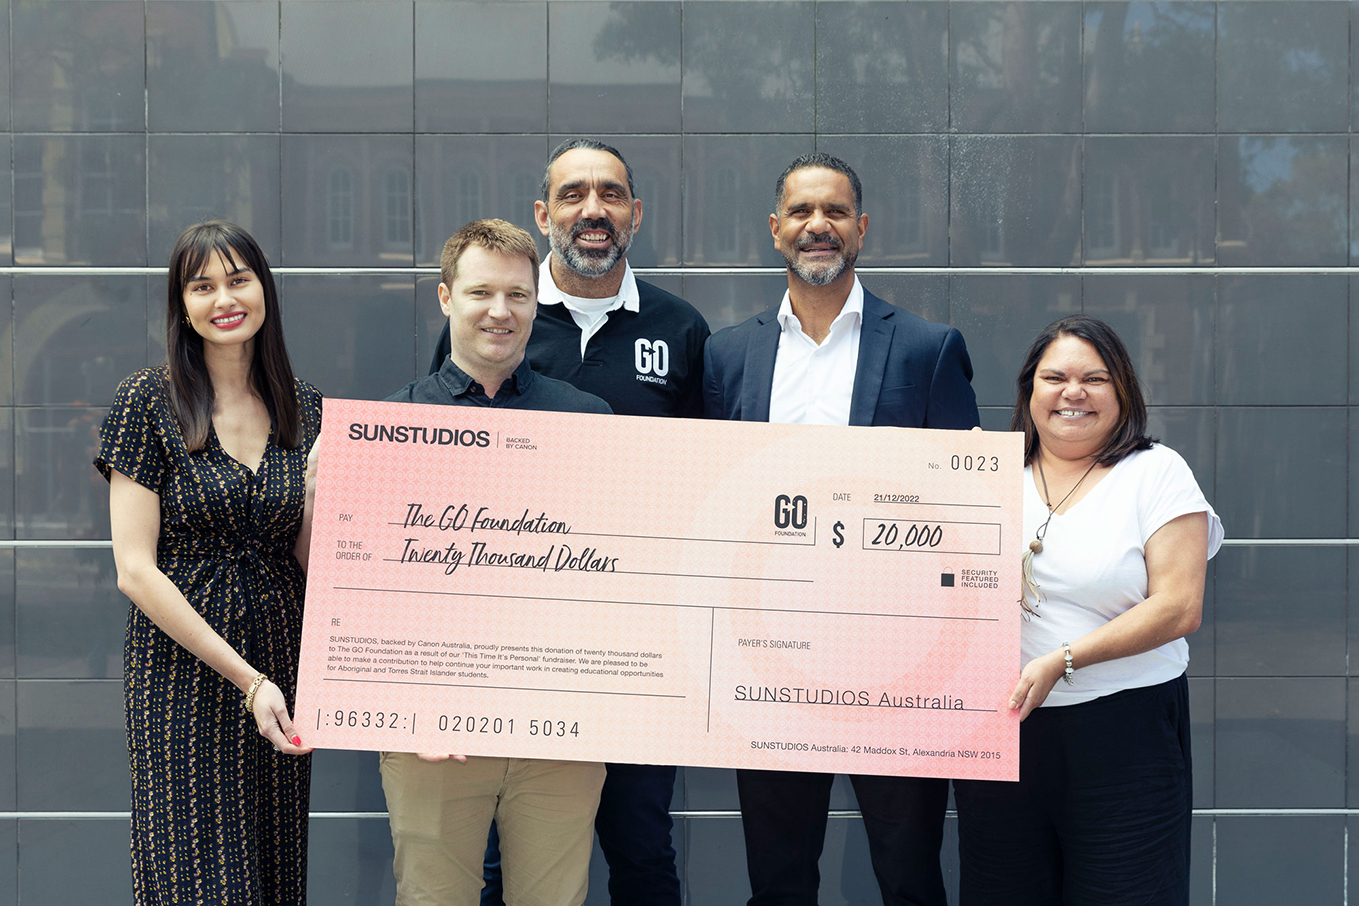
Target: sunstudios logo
x,y
418,434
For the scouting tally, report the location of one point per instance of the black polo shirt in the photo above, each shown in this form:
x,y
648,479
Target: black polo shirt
x,y
524,389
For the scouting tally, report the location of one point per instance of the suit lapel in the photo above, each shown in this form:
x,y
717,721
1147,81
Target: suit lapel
x,y
759,369
875,339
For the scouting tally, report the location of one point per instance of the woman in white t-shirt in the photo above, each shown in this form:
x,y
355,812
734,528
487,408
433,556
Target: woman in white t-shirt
x,y
1119,538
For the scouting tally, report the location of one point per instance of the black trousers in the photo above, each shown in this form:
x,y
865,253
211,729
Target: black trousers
x,y
784,816
1101,814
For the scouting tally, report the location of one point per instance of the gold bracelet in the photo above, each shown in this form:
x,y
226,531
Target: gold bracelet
x,y
260,679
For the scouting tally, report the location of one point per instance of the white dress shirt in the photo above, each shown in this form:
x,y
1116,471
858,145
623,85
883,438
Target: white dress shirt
x,y
589,314
813,384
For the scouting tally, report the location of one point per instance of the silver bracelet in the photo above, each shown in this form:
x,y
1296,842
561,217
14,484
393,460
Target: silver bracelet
x,y
1070,670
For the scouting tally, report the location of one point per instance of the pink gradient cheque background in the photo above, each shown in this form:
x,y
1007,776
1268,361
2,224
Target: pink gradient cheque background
x,y
681,482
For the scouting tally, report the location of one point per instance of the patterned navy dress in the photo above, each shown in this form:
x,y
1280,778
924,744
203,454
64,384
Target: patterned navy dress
x,y
218,816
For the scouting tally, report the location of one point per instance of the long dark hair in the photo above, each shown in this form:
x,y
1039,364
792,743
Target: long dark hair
x,y
1130,435
191,392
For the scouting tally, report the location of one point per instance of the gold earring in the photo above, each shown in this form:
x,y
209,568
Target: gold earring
x,y
187,321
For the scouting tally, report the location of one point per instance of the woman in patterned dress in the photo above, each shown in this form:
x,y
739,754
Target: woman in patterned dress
x,y
206,460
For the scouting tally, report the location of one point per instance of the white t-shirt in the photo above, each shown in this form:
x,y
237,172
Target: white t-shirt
x,y
1093,567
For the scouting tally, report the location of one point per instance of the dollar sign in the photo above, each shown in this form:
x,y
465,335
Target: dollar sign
x,y
839,538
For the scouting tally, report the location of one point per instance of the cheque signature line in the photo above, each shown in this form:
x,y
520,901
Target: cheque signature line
x,y
393,682
844,613
630,572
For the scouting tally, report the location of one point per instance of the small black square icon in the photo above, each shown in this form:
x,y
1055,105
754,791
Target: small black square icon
x,y
946,580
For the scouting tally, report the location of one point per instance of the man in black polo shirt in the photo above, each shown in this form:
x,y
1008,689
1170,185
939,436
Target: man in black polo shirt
x,y
640,349
441,812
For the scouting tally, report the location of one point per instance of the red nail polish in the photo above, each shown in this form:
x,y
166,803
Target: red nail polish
x,y
297,741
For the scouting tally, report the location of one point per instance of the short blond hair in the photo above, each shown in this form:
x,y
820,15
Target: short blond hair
x,y
493,235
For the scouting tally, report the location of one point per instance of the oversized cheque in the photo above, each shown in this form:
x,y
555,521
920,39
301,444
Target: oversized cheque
x,y
731,594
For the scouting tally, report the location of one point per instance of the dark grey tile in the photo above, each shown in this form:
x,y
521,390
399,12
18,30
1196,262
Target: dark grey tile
x,y
429,321
461,178
1354,339
1268,325
1168,323
1016,200
905,183
925,295
347,199
655,162
729,194
1281,200
6,200
715,862
212,67
614,67
1352,587
344,781
1149,67
72,747
58,494
360,333
710,789
1265,860
70,616
350,860
5,17
495,83
6,347
1191,432
1201,713
1280,744
79,66
6,473
8,773
1282,67
6,616
9,860
730,299
46,874
995,418
80,199
155,318
999,317
750,67
76,337
882,67
348,67
1281,472
1281,611
194,178
1352,739
1202,844
1016,67
1149,200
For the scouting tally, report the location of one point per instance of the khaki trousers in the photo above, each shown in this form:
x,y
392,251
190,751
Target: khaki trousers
x,y
441,812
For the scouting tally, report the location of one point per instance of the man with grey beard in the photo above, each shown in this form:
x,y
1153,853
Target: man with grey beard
x,y
832,353
641,350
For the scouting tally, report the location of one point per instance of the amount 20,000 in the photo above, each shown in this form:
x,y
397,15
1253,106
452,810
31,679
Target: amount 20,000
x,y
890,535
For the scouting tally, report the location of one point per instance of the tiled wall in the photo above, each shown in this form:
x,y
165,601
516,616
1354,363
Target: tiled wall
x,y
1181,169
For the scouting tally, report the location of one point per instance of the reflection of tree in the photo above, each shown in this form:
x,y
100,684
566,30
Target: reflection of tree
x,y
1140,50
1290,196
737,63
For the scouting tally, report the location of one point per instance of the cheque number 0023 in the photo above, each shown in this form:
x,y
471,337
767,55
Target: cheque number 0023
x,y
971,463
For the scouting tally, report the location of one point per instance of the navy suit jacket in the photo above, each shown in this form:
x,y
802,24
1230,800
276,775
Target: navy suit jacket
x,y
911,373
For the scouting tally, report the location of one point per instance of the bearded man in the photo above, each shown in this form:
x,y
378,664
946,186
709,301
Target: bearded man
x,y
832,353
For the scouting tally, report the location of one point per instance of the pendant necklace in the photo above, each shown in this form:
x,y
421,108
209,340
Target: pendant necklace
x,y
1036,545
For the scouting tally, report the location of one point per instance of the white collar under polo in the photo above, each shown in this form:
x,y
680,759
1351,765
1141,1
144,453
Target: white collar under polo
x,y
589,314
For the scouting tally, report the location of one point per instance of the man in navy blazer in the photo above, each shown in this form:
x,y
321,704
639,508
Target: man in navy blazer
x,y
832,353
